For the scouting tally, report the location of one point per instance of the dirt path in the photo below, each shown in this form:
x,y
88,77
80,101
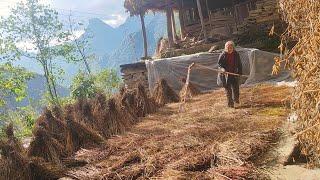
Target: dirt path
x,y
207,141
282,151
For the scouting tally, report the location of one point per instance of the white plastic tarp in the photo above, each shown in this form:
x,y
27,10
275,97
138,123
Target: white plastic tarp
x,y
257,64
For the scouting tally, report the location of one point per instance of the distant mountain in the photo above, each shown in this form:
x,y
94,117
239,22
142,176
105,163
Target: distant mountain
x,y
131,48
112,46
104,38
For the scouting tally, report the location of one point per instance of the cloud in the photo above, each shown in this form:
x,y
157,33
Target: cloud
x,y
6,5
116,20
111,12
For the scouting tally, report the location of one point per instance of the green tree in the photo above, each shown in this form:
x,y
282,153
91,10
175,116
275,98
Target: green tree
x,y
136,8
13,83
108,81
23,119
38,27
87,86
13,86
83,86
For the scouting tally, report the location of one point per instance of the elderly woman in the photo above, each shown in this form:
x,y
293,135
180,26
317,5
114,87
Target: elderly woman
x,y
229,61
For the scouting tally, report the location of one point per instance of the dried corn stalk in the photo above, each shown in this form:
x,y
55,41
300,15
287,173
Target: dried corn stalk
x,y
303,21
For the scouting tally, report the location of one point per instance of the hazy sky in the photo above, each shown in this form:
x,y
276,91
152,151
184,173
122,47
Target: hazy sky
x,y
110,11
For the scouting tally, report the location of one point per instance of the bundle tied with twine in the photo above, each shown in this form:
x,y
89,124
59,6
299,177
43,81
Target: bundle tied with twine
x,y
303,22
144,104
52,124
109,117
15,164
79,135
128,102
46,147
164,94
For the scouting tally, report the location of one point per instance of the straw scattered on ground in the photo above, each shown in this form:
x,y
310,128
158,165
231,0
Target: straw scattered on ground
x,y
208,141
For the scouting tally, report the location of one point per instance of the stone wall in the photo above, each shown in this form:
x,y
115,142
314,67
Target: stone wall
x,y
133,74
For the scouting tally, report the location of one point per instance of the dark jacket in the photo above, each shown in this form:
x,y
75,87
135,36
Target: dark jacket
x,y
222,63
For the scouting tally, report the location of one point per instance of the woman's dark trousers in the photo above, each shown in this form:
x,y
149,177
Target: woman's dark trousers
x,y
232,90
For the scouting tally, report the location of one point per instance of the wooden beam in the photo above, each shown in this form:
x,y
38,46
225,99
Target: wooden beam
x,y
202,20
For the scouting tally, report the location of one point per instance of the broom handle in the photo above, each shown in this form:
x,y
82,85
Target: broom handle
x,y
217,70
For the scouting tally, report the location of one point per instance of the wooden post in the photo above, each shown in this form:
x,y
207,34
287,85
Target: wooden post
x,y
182,24
174,27
235,14
181,19
169,24
144,34
209,13
202,21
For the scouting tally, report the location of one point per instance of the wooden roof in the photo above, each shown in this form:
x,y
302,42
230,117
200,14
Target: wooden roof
x,y
163,4
160,4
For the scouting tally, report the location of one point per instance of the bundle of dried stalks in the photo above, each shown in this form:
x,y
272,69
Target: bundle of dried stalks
x,y
55,127
128,102
79,134
12,140
128,117
164,94
16,165
3,168
144,104
100,113
39,169
122,90
109,116
46,147
57,113
304,27
82,111
115,124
